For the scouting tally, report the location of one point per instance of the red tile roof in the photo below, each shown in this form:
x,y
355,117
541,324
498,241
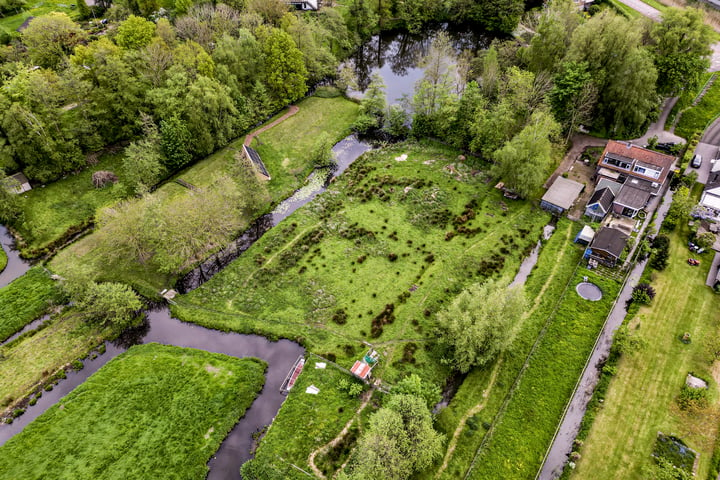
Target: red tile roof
x,y
634,152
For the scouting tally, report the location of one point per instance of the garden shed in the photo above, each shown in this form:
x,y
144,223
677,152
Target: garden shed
x,y
600,204
607,246
561,195
585,236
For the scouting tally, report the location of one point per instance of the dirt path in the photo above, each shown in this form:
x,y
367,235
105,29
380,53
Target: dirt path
x,y
292,110
579,142
311,459
461,425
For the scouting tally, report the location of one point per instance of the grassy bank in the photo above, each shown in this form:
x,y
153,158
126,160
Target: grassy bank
x,y
686,99
37,356
53,211
288,173
649,380
513,450
697,118
154,412
322,417
373,259
481,395
25,299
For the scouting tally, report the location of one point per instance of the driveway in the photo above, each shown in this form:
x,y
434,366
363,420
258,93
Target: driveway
x,y
657,129
654,14
708,152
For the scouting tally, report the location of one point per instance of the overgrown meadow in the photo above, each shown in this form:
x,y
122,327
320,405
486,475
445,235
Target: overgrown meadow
x,y
373,259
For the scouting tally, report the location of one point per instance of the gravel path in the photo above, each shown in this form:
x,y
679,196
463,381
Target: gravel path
x,y
292,110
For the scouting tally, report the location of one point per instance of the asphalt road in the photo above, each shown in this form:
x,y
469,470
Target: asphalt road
x,y
708,153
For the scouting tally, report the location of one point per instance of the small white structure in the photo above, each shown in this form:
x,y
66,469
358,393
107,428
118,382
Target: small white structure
x,y
320,365
304,4
312,390
585,236
17,183
695,382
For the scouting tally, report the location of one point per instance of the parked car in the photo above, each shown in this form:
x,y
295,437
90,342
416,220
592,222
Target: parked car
x,y
696,161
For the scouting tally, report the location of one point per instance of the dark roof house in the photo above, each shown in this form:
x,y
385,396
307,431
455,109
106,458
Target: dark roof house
x,y
630,201
599,204
561,195
607,246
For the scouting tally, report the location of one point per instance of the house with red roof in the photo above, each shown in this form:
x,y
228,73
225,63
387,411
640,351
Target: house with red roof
x,y
637,173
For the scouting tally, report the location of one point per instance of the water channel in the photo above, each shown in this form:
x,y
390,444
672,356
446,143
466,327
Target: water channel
x,y
394,56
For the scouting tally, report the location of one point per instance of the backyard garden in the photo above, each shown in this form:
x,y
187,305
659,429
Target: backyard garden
x,y
648,381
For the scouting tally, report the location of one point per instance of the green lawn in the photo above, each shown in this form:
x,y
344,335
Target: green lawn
x,y
11,23
332,115
641,398
25,299
686,99
479,398
697,118
399,236
285,148
322,417
154,412
513,450
52,212
34,358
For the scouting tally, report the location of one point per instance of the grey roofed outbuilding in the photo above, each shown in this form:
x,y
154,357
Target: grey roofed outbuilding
x,y
610,240
632,197
562,193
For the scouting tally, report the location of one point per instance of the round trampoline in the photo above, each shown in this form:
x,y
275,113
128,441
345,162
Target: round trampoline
x,y
589,291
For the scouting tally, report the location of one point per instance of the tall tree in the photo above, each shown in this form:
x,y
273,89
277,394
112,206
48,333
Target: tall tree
x,y
285,72
50,38
558,21
495,15
573,96
525,161
143,164
481,323
681,48
399,441
134,33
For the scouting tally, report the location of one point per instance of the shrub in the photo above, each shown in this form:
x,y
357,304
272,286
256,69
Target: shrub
x,y
102,178
661,252
692,398
705,240
643,293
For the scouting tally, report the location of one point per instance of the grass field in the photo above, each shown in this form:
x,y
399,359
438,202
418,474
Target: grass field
x,y
26,299
36,357
390,240
332,115
641,398
51,211
322,417
154,412
697,118
479,398
513,450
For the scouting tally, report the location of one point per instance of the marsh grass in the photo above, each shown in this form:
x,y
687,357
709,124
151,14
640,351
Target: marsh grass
x,y
156,411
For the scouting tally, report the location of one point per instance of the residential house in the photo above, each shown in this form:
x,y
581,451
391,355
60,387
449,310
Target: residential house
x,y
607,246
600,204
561,195
305,4
641,172
710,198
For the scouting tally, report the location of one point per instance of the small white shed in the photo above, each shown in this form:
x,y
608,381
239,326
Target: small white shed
x,y
585,236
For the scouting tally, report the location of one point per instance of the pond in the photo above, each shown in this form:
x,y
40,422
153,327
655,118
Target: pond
x,y
395,55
